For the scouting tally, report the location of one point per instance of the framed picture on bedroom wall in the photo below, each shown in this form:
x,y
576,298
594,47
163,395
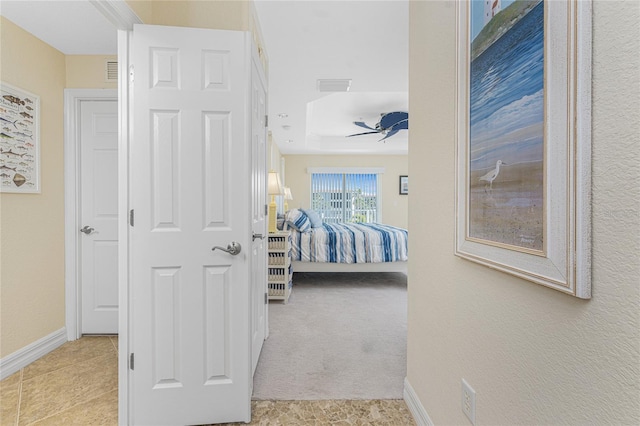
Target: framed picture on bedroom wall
x,y
20,142
523,153
404,185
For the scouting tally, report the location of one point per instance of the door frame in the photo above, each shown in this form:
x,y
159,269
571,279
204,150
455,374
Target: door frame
x,y
73,99
125,80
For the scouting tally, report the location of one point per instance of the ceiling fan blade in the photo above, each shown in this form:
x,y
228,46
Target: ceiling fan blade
x,y
389,119
389,134
365,133
363,124
401,125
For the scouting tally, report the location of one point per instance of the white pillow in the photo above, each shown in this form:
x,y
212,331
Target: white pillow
x,y
297,219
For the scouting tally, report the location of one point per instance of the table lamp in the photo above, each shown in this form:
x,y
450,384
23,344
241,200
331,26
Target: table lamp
x,y
274,187
287,196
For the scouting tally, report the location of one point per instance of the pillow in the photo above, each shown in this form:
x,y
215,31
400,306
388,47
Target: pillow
x,y
314,218
297,219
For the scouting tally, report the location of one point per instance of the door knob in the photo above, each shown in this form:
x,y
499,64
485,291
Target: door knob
x,y
256,236
87,230
233,248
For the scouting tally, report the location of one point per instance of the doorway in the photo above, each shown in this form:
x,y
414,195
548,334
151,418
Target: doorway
x,y
91,287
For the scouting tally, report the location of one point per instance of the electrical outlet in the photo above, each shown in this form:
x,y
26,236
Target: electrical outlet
x,y
469,401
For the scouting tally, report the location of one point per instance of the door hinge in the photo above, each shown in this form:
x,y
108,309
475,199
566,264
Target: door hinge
x,y
131,217
131,361
131,74
266,298
266,209
266,121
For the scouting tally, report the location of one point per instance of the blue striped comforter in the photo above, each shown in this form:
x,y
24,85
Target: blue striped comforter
x,y
350,243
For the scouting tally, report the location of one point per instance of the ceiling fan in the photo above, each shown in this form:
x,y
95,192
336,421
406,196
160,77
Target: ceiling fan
x,y
390,123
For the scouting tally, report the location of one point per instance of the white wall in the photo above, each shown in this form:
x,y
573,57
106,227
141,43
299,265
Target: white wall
x,y
533,355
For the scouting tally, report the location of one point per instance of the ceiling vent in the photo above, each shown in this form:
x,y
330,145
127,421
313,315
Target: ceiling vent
x,y
111,71
334,85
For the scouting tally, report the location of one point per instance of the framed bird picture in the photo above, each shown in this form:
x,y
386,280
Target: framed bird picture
x,y
522,166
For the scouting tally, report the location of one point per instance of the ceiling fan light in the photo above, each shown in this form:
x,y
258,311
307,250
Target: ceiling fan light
x,y
334,85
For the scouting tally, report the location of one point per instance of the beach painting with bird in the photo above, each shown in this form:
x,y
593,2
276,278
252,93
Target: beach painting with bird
x,y
506,124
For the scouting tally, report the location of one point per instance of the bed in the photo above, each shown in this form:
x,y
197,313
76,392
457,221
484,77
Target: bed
x,y
349,247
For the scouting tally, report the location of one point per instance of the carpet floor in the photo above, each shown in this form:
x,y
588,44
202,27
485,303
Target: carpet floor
x,y
341,336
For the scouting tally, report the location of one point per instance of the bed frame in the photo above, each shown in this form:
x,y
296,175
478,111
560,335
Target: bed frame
x,y
349,267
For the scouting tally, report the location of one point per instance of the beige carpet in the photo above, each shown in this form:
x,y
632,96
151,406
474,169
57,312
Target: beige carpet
x,y
341,336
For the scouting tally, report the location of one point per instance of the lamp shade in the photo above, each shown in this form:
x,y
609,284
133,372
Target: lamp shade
x,y
274,187
287,193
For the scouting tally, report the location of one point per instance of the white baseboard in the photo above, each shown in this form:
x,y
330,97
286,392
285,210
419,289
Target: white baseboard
x,y
33,351
415,406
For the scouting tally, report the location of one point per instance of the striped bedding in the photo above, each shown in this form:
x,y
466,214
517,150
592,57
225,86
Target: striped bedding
x,y
350,243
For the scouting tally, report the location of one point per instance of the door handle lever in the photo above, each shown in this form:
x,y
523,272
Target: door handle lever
x,y
233,248
87,230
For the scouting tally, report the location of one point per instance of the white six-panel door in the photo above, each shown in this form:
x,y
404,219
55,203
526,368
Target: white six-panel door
x,y
190,190
99,216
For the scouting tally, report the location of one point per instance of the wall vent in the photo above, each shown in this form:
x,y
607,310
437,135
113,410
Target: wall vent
x,y
111,71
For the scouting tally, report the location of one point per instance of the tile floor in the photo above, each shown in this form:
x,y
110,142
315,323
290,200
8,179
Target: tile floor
x,y
77,384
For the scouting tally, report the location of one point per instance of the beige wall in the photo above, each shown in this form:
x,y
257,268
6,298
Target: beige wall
x,y
142,8
394,206
32,298
274,157
533,355
32,295
88,72
218,14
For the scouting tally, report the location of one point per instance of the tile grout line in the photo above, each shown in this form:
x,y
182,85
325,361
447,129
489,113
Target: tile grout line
x,y
19,397
67,366
70,408
113,343
72,366
71,355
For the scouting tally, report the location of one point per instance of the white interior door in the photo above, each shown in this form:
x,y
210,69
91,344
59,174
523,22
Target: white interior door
x,y
190,191
99,216
259,223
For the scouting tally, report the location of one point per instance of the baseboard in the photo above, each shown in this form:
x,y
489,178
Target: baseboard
x,y
415,406
33,351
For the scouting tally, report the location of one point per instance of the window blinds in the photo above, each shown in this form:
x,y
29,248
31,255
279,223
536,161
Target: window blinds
x,y
345,197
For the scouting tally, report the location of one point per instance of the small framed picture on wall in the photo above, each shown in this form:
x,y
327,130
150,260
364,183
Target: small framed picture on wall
x,y
404,185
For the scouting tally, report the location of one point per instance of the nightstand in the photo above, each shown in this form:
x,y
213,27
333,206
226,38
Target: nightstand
x,y
280,273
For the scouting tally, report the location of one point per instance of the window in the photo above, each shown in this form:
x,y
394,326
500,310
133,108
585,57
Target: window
x,y
345,196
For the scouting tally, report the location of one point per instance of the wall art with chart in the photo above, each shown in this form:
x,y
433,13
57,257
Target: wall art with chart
x,y
20,140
